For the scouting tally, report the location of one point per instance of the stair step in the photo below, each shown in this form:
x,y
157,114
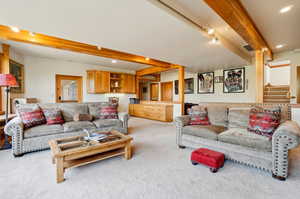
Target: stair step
x,y
277,100
275,97
275,93
276,89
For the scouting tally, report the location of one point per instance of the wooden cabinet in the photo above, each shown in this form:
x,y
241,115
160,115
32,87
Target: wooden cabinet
x,y
128,83
109,82
161,112
98,82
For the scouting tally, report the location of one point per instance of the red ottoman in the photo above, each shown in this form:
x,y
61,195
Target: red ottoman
x,y
210,158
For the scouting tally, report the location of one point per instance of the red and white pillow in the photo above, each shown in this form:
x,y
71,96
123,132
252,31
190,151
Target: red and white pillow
x,y
108,112
199,116
264,121
53,116
33,118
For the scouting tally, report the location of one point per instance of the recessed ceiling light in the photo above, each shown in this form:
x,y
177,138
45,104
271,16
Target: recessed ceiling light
x,y
147,58
32,34
15,29
113,61
99,47
214,40
286,9
279,46
211,31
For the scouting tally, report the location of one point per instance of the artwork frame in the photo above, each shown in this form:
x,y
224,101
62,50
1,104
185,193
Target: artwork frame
x,y
189,86
235,77
17,70
206,83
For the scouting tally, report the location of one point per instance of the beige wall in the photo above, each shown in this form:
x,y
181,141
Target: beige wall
x,y
218,96
40,79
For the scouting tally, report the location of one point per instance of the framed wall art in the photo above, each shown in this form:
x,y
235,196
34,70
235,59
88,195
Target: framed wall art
x,y
234,80
17,70
206,83
188,86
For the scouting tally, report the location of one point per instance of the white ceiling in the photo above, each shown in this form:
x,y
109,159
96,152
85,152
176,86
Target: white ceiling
x,y
132,26
275,27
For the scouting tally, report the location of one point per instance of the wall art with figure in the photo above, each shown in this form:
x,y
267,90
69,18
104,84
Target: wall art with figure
x,y
234,80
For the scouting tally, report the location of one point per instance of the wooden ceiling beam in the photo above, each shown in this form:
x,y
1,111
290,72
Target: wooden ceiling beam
x,y
237,17
25,36
154,70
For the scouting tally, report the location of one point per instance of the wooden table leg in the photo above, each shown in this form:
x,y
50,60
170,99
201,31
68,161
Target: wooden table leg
x,y
59,170
128,151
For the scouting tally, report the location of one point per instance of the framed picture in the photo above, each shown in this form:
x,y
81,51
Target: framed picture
x,y
206,83
234,80
219,79
17,70
188,86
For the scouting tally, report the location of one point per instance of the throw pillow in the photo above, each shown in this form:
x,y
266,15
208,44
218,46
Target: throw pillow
x,y
108,112
33,118
199,116
264,121
53,116
82,117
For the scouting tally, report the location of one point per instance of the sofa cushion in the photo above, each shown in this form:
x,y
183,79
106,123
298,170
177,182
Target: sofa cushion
x,y
70,109
243,137
264,121
21,108
198,115
95,108
78,125
33,118
209,132
43,130
238,117
108,123
217,114
53,116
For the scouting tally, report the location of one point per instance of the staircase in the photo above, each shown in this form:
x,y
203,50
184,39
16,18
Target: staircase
x,y
277,94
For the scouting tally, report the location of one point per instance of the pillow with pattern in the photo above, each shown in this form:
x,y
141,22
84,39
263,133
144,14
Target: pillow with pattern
x,y
33,118
109,112
199,115
264,121
53,116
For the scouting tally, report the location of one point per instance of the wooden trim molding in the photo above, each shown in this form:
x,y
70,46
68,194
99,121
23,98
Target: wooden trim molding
x,y
278,66
259,61
25,36
58,78
235,15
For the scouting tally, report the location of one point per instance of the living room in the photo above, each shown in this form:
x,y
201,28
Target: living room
x,y
150,99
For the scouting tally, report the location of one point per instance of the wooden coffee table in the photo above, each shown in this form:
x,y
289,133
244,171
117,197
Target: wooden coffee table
x,y
75,151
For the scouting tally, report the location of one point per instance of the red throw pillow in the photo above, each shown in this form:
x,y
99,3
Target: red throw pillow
x,y
33,118
53,116
199,116
108,112
264,121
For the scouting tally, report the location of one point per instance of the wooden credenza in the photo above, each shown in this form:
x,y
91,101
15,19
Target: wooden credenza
x,y
161,112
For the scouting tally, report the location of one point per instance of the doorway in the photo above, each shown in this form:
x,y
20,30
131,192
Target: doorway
x,y
166,91
154,87
68,88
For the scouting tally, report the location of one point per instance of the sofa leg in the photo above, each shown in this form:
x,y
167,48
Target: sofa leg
x,y
213,170
181,147
278,177
193,162
19,155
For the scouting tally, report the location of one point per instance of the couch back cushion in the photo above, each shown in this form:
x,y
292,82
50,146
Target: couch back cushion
x,y
95,108
21,108
238,117
69,110
217,114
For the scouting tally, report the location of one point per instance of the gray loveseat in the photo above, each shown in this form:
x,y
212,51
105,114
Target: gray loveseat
x,y
228,134
37,138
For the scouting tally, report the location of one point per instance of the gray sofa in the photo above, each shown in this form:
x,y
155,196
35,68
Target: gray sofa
x,y
228,134
37,138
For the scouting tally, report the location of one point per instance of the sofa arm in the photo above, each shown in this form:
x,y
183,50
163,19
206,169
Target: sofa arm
x,y
180,122
124,117
285,137
15,129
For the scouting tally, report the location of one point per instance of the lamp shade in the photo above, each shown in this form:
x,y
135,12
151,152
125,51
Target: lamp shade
x,y
8,80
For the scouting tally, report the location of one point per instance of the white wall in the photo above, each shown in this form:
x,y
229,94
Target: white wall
x,y
278,76
218,96
40,79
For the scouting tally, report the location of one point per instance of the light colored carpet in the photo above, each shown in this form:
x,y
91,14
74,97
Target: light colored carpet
x,y
157,170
